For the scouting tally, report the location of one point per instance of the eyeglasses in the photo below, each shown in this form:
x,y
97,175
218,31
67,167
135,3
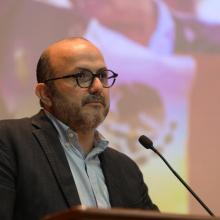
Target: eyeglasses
x,y
85,78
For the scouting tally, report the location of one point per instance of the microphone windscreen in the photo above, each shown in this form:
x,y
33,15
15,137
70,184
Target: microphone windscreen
x,y
145,141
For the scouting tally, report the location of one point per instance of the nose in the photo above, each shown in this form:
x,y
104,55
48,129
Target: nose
x,y
96,86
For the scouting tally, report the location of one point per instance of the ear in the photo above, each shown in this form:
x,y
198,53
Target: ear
x,y
43,93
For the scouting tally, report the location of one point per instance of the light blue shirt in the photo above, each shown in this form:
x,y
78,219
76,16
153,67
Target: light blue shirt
x,y
86,169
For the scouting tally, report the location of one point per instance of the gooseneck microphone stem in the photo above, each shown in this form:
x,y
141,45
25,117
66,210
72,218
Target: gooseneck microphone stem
x,y
183,182
148,144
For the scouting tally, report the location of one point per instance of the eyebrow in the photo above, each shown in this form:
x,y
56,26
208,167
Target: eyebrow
x,y
83,68
77,70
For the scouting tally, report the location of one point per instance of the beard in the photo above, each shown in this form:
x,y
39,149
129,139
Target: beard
x,y
77,116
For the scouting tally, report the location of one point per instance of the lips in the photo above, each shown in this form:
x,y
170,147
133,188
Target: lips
x,y
94,99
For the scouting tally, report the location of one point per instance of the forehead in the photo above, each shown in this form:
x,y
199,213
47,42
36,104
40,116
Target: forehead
x,y
66,56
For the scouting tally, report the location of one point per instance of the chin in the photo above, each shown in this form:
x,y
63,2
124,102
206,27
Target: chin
x,y
95,119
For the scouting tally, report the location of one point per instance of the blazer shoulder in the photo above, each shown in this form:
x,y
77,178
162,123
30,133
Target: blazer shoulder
x,y
14,132
14,125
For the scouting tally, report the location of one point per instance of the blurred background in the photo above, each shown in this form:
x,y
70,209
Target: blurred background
x,y
167,55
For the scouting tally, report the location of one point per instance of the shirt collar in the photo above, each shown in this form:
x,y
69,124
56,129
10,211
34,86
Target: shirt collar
x,y
67,135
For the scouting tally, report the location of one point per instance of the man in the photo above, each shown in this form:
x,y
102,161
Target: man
x,y
57,159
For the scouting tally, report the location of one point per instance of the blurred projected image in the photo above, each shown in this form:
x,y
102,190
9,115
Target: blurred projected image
x,y
155,46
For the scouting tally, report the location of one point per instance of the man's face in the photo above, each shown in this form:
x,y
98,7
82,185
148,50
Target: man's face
x,y
79,108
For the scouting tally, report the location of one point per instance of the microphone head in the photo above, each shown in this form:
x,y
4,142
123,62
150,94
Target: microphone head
x,y
145,142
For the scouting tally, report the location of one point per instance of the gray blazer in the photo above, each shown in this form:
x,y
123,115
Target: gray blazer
x,y
35,178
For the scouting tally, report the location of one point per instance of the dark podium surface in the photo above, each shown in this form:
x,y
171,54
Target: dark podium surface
x,y
83,213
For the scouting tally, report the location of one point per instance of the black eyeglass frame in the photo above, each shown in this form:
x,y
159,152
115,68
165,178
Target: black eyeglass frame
x,y
76,75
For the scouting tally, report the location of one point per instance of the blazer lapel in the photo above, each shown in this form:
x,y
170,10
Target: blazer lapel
x,y
50,144
112,179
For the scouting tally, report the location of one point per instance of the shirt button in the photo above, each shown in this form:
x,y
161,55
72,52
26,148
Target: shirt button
x,y
71,135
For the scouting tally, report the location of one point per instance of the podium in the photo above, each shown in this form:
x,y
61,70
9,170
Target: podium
x,y
83,213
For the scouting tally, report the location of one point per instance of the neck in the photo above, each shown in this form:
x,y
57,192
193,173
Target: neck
x,y
86,140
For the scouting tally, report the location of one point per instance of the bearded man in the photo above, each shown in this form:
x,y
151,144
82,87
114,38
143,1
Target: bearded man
x,y
57,159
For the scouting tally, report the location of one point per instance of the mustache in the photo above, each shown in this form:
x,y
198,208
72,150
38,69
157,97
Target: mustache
x,y
93,98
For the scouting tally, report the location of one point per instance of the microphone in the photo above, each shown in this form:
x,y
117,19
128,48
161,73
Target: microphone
x,y
148,144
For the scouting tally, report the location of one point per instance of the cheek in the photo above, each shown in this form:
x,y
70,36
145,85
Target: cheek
x,y
70,93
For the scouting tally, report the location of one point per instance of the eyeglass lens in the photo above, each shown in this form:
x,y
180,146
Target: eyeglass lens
x,y
85,78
